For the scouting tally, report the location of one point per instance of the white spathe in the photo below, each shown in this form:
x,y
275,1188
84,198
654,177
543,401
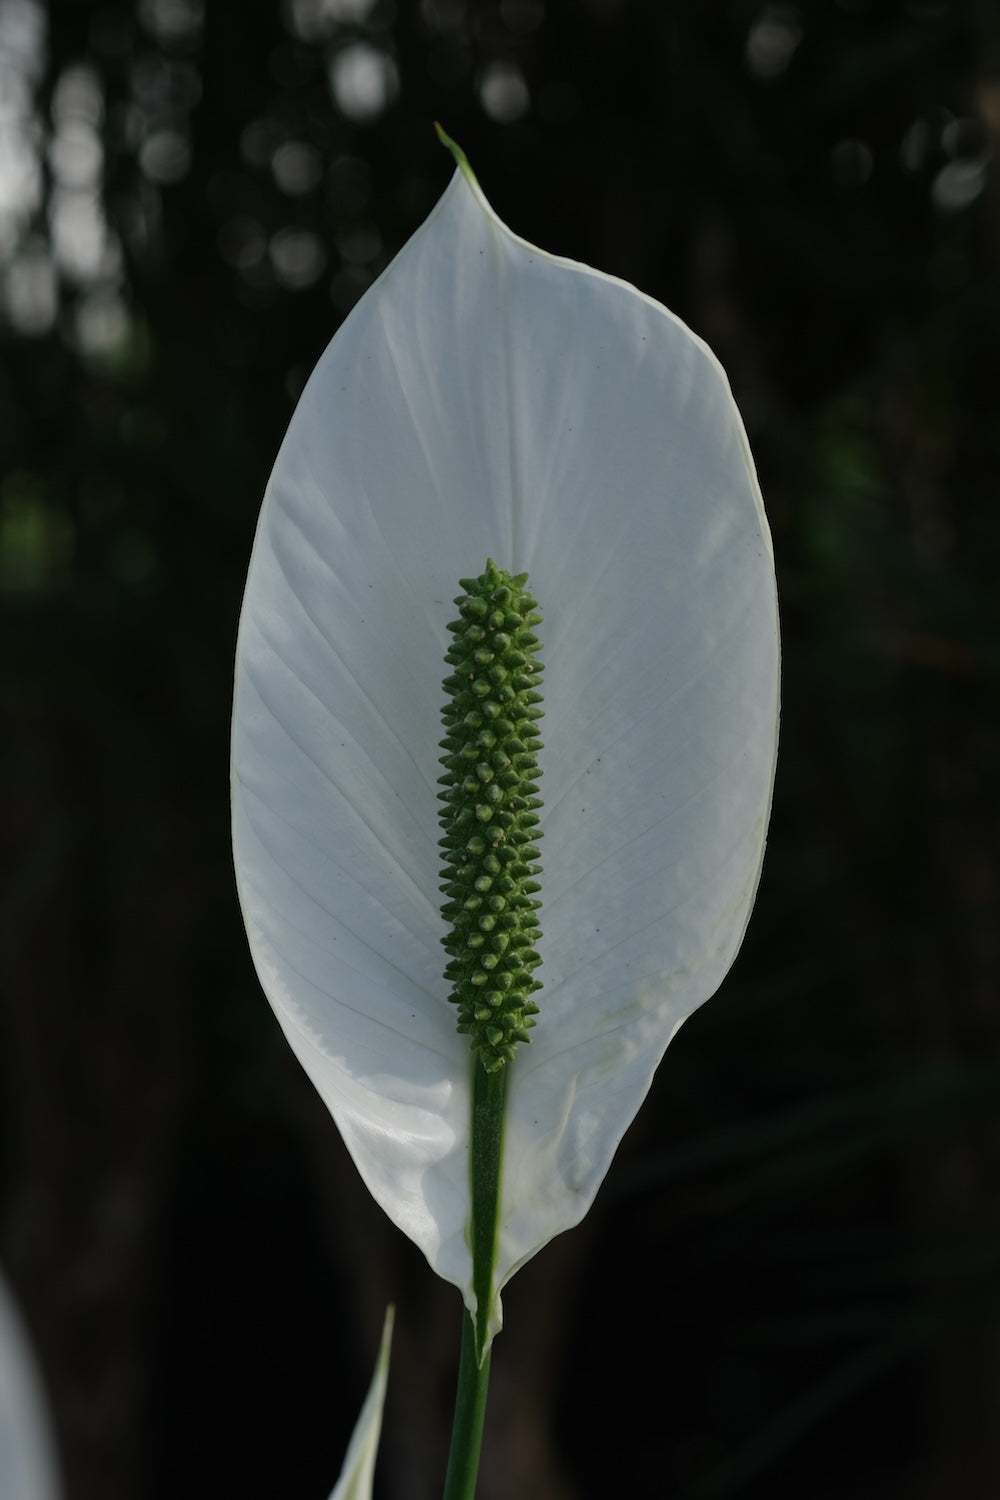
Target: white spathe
x,y
357,1478
485,399
27,1462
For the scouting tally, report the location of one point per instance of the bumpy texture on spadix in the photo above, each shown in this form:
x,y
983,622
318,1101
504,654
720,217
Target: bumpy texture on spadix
x,y
485,399
490,813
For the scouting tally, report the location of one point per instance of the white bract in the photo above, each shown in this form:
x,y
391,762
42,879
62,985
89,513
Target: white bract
x,y
357,1477
485,399
27,1465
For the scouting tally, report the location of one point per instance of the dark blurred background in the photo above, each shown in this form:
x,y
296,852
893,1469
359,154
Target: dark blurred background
x,y
790,1283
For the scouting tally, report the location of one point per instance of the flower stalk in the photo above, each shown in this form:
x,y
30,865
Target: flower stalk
x,y
470,1410
485,1164
489,820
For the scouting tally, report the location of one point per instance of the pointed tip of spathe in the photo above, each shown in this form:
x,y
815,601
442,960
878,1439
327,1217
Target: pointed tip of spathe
x,y
461,160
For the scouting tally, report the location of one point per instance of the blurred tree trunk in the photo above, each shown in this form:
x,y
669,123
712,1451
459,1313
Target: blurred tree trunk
x,y
95,1072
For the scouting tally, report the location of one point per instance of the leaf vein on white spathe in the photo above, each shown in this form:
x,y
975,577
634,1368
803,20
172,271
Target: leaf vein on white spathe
x,y
633,1017
653,711
344,808
510,415
692,964
604,952
278,933
394,347
297,877
351,673
384,794
637,846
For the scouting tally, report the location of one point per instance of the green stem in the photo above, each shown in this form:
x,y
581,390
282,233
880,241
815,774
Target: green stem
x,y
470,1409
485,1155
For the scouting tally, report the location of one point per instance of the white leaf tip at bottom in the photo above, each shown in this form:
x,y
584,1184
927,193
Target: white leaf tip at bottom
x,y
358,1474
27,1461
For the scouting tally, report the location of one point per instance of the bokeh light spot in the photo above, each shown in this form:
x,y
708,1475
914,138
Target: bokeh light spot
x,y
958,184
165,156
30,290
503,93
298,257
772,41
172,21
101,325
297,167
76,155
364,81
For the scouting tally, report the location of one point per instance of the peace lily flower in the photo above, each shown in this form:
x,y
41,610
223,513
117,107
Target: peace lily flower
x,y
486,400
